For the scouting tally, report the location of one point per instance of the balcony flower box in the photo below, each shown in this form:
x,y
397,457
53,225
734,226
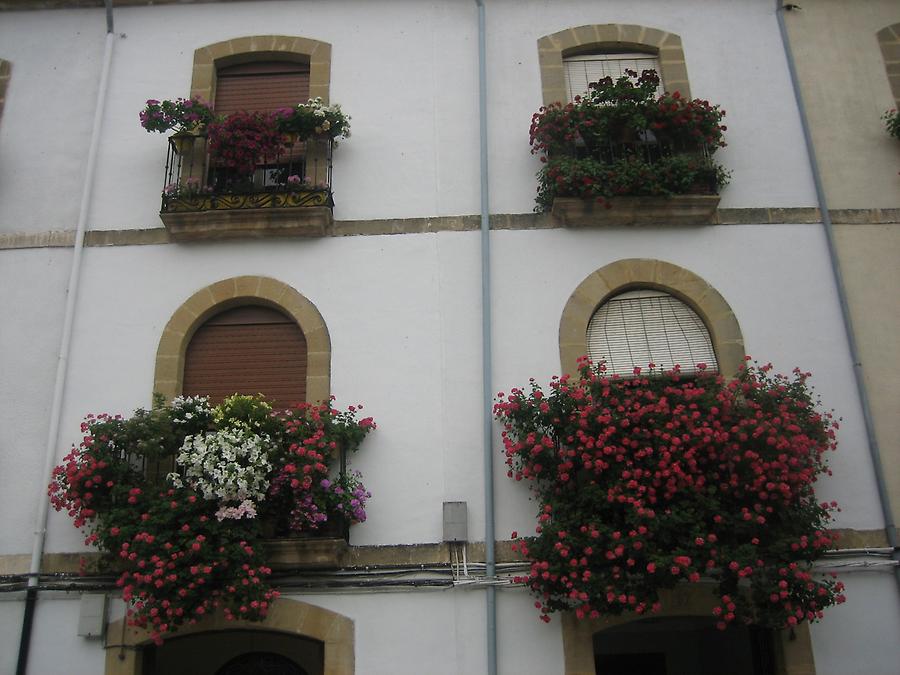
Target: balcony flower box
x,y
248,174
621,148
677,210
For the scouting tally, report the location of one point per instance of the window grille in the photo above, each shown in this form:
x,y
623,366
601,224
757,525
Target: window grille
x,y
645,326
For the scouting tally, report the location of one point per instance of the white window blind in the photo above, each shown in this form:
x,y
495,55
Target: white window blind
x,y
640,327
582,70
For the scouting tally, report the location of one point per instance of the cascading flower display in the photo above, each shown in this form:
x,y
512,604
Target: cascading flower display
x,y
190,540
621,139
649,481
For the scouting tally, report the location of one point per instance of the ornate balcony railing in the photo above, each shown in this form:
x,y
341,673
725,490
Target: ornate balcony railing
x,y
300,176
287,194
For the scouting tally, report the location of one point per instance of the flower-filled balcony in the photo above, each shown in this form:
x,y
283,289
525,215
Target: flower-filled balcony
x,y
620,155
248,173
692,480
192,505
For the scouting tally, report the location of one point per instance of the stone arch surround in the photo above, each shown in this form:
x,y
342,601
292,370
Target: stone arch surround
x,y
169,372
793,648
261,48
552,49
293,617
624,275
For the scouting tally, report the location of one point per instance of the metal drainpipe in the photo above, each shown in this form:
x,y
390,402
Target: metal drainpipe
x,y
489,553
40,528
884,496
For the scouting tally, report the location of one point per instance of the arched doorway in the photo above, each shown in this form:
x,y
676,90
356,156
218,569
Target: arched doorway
x,y
790,650
235,652
261,663
314,638
682,645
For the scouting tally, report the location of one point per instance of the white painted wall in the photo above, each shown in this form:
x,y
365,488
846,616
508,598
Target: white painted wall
x,y
47,115
408,76
32,301
11,608
442,631
404,317
855,638
56,648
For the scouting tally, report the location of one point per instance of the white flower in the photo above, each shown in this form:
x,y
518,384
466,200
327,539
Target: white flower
x,y
230,465
245,509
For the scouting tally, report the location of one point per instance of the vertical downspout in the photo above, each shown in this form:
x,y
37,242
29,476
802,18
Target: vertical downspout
x,y
874,451
40,527
487,383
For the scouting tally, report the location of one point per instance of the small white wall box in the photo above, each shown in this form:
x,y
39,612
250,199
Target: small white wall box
x,y
455,522
92,615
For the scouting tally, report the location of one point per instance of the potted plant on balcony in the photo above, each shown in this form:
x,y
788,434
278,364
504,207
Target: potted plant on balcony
x,y
657,480
187,117
188,541
313,119
619,141
244,161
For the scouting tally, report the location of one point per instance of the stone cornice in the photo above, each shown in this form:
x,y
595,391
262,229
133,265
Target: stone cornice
x,y
512,221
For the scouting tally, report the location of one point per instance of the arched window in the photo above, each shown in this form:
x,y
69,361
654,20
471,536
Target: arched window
x,y
640,311
263,73
576,56
646,326
260,307
247,350
229,57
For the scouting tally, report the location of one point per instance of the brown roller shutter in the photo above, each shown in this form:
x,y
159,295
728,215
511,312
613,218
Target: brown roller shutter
x,y
263,86
247,350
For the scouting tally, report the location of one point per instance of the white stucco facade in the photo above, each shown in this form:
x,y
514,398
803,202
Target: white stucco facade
x,y
403,311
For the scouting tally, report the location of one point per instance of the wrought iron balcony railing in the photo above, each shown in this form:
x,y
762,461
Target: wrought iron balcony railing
x,y
300,176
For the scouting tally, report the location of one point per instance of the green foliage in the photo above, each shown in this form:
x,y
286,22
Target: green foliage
x,y
891,120
629,176
619,139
